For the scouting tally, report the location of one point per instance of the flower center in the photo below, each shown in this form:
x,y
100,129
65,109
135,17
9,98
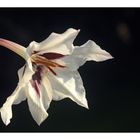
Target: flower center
x,y
41,60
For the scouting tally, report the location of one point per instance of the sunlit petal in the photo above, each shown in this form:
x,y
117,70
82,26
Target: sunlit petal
x,y
91,51
25,73
46,91
56,43
35,104
15,98
68,84
87,52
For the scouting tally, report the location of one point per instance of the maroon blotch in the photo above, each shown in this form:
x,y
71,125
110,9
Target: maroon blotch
x,y
36,78
37,75
52,55
35,85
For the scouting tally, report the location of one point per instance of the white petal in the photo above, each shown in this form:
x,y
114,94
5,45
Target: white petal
x,y
15,98
91,51
68,84
72,62
46,91
25,73
56,43
21,72
36,105
21,96
87,52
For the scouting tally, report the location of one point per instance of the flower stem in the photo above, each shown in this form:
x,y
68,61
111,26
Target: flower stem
x,y
18,49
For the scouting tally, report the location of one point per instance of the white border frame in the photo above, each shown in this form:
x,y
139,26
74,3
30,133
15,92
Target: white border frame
x,y
69,3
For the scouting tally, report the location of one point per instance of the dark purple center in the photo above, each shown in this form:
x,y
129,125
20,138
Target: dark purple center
x,y
37,74
36,78
52,55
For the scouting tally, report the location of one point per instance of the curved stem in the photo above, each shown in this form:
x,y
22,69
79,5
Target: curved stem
x,y
18,49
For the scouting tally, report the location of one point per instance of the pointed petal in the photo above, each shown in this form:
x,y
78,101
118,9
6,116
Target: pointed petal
x,y
21,72
46,91
56,43
42,86
91,51
25,73
87,52
68,84
15,98
35,103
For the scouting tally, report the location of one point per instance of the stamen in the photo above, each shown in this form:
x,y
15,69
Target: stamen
x,y
37,59
41,60
52,71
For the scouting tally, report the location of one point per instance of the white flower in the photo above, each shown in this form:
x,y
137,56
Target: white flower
x,y
50,73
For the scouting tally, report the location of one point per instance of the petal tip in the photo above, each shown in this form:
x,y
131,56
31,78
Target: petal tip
x,y
85,104
42,120
72,30
4,118
109,56
7,123
78,30
87,107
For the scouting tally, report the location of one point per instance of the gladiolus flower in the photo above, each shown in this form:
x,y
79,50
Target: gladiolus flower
x,y
50,73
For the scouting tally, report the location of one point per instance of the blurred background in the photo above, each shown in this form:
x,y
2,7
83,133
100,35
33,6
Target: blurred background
x,y
113,90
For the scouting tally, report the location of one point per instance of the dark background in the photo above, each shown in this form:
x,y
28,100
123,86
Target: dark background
x,y
113,90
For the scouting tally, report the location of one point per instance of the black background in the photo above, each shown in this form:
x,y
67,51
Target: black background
x,y
112,87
